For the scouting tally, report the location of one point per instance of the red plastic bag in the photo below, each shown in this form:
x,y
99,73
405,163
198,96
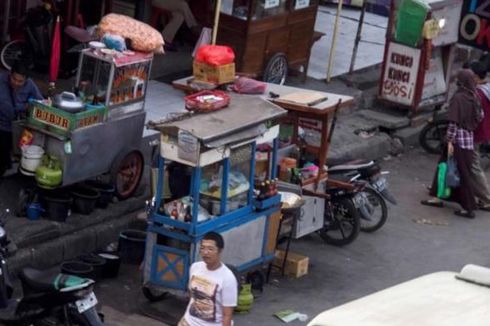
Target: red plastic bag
x,y
246,85
215,55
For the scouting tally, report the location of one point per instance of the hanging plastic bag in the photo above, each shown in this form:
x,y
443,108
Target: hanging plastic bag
x,y
452,174
442,190
215,55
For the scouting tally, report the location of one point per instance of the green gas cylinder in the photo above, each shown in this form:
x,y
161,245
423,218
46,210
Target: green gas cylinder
x,y
49,174
245,298
410,20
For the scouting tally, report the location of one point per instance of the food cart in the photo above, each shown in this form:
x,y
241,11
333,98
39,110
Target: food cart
x,y
105,136
219,149
419,52
268,36
313,113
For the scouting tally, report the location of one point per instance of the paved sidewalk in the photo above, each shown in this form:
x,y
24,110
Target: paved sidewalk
x,y
370,49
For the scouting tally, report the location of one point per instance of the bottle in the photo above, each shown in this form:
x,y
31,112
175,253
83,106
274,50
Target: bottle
x,y
267,189
188,214
262,190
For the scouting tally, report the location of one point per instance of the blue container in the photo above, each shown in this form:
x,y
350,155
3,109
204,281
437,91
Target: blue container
x,y
34,211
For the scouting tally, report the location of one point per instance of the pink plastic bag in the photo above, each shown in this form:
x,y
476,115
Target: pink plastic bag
x,y
244,85
215,55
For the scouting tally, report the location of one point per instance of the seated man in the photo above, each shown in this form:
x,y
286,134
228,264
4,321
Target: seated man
x,y
180,12
15,90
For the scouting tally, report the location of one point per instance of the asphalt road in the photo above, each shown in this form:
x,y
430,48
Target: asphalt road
x,y
416,240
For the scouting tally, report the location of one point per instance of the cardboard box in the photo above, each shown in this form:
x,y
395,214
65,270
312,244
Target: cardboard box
x,y
296,264
213,74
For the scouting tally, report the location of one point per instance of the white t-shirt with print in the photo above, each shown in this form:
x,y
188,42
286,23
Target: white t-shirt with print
x,y
210,292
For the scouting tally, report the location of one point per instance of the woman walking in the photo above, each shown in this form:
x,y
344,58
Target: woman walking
x,y
464,114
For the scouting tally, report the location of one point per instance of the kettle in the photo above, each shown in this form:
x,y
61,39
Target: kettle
x,y
49,174
68,102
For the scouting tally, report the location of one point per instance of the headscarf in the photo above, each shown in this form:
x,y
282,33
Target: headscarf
x,y
464,106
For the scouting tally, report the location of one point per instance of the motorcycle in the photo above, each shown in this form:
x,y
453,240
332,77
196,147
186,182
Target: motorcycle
x,y
48,298
371,200
341,218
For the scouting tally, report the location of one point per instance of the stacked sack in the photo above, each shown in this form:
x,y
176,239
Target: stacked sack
x,y
143,37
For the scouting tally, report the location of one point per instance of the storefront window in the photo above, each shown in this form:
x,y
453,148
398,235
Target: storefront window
x,y
268,8
301,4
260,8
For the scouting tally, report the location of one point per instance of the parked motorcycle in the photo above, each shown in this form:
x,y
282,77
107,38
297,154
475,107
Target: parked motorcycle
x,y
341,218
48,298
371,200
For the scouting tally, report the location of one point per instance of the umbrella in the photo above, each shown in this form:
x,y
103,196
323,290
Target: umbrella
x,y
54,63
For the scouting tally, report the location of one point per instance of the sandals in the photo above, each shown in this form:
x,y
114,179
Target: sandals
x,y
485,208
432,202
465,214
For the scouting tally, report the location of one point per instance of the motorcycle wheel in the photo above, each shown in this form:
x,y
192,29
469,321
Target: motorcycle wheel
x,y
433,135
378,216
75,319
342,225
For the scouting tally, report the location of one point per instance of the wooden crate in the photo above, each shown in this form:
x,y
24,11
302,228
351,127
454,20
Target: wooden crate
x,y
213,74
296,264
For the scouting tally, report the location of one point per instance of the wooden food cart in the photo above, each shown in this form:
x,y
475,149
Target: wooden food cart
x,y
217,149
268,36
104,137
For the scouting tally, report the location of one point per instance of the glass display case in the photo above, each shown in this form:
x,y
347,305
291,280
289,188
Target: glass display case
x,y
113,80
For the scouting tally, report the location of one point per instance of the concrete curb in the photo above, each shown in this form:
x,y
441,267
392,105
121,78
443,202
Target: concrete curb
x,y
51,253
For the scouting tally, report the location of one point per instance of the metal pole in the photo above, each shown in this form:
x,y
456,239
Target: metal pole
x,y
358,37
6,16
217,12
334,40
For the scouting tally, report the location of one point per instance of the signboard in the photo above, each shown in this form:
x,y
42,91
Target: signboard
x,y
434,80
474,27
400,74
51,118
271,4
300,4
449,16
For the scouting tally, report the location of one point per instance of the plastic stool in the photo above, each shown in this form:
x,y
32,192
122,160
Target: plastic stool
x,y
156,15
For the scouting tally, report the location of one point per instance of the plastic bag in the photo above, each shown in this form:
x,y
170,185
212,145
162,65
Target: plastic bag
x,y
452,174
115,42
215,55
244,85
442,190
143,37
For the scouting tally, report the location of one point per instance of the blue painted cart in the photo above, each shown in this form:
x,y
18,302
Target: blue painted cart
x,y
219,148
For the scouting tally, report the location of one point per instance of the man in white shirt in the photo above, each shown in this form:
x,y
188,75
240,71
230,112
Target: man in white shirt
x,y
213,287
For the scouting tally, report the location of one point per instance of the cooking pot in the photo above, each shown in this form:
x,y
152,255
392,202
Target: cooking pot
x,y
31,158
68,102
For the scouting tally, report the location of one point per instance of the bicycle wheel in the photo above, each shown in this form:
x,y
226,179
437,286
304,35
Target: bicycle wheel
x,y
14,51
373,212
432,137
342,223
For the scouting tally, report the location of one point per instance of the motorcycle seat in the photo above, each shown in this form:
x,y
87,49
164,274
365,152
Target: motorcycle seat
x,y
36,280
350,166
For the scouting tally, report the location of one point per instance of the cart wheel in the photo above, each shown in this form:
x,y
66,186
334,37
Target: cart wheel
x,y
16,50
153,295
126,173
276,70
